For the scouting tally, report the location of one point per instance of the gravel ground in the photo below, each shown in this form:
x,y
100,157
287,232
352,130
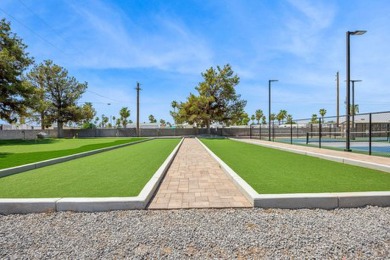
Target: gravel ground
x,y
362,233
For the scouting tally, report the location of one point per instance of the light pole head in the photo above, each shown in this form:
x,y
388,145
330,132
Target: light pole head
x,y
356,80
358,32
273,80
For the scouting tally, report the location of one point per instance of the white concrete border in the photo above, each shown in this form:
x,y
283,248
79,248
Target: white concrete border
x,y
36,165
304,200
23,206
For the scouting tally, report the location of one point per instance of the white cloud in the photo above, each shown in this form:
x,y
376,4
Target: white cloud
x,y
110,39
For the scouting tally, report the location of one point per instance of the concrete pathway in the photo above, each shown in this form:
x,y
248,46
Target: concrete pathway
x,y
195,180
342,154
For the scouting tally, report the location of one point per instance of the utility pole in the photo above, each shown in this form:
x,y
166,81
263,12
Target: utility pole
x,y
338,99
138,89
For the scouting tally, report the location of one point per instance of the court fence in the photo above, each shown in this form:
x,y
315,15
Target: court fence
x,y
369,133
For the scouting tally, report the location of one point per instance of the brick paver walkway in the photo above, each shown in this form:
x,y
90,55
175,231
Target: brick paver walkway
x,y
195,180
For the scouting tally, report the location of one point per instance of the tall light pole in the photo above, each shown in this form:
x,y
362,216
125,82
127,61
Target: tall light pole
x,y
138,89
269,107
348,127
353,100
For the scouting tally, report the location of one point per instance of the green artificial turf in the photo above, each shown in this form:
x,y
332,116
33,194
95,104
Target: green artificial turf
x,y
271,171
118,173
18,152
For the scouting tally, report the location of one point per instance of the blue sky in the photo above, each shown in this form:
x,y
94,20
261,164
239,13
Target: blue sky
x,y
165,45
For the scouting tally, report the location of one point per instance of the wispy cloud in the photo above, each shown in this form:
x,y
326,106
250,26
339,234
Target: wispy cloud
x,y
110,39
304,27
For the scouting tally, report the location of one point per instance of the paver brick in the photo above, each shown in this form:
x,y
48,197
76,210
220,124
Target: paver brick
x,y
195,180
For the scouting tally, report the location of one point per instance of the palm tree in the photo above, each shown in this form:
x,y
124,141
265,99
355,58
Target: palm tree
x,y
322,113
281,115
174,105
124,113
258,115
273,117
264,120
354,109
152,119
289,119
253,119
314,119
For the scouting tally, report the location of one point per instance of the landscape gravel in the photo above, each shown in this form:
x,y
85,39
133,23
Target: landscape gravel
x,y
361,233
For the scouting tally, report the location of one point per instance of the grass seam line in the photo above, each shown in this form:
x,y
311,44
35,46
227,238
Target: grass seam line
x,y
36,165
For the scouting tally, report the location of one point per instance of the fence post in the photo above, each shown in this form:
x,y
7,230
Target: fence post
x,y
291,132
250,131
307,137
369,133
319,133
273,132
260,131
311,130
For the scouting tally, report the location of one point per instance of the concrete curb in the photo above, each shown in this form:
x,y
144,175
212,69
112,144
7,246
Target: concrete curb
x,y
23,206
242,185
374,166
305,200
32,166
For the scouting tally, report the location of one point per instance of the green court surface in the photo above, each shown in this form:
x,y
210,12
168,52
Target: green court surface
x,y
18,152
121,172
271,171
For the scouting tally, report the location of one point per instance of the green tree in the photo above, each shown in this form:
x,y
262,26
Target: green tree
x,y
162,122
152,119
264,120
258,115
217,100
88,112
14,60
118,122
174,105
96,121
63,92
124,114
281,116
253,119
104,121
273,117
244,119
38,101
289,119
322,113
354,109
314,119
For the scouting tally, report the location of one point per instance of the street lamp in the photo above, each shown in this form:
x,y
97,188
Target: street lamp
x,y
348,129
353,100
269,107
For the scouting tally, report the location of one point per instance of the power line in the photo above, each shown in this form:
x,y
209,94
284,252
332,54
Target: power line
x,y
31,30
47,24
45,40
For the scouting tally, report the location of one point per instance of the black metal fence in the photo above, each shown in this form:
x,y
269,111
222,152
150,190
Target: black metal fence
x,y
369,133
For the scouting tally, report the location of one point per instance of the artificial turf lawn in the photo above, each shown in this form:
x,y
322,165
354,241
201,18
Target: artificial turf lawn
x,y
121,172
271,171
18,152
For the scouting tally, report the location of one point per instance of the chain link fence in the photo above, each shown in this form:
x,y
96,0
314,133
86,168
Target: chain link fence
x,y
368,133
